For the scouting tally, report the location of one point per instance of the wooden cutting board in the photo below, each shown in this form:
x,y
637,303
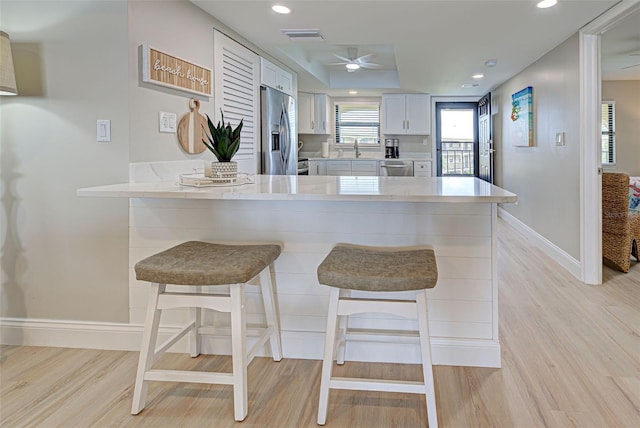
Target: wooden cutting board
x,y
191,129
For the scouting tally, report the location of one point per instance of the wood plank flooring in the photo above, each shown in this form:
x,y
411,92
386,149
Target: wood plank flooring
x,y
571,358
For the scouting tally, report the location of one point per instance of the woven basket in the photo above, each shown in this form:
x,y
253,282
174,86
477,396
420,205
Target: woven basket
x,y
620,228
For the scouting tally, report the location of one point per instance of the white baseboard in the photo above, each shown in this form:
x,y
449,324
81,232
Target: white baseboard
x,y
303,345
561,257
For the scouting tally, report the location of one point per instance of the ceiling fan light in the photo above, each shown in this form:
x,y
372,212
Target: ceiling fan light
x,y
352,66
546,3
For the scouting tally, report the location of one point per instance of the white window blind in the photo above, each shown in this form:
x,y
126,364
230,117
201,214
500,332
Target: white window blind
x,y
357,120
608,127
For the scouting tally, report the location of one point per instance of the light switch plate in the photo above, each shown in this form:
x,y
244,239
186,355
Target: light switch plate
x,y
103,131
167,122
559,138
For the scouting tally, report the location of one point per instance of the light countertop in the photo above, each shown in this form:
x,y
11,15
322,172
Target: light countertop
x,y
321,188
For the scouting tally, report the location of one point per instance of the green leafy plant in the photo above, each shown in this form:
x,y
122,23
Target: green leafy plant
x,y
224,141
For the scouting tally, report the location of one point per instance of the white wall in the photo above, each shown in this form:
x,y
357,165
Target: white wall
x,y
184,30
626,94
545,177
64,257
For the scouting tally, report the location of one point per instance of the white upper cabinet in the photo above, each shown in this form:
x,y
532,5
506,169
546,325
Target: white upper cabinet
x,y
406,114
306,108
273,76
322,113
314,113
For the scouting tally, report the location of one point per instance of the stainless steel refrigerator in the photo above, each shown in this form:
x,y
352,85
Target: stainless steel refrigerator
x,y
279,149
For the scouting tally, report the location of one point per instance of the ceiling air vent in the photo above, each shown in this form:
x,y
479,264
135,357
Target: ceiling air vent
x,y
304,35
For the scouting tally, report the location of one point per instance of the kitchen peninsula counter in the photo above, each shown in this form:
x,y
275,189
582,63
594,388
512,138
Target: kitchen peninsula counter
x,y
309,215
322,188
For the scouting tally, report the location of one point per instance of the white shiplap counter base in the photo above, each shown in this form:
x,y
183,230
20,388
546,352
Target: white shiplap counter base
x,y
462,308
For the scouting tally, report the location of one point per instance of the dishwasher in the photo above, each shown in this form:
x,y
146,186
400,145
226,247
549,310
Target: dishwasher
x,y
396,168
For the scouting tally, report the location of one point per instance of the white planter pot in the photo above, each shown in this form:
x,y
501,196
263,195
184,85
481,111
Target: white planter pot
x,y
221,169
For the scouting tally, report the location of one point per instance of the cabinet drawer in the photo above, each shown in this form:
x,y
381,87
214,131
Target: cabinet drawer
x,y
422,168
364,166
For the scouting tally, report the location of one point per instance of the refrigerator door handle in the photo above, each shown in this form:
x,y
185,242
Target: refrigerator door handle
x,y
285,141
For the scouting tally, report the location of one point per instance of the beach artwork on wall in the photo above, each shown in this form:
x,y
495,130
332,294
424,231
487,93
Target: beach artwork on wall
x,y
522,117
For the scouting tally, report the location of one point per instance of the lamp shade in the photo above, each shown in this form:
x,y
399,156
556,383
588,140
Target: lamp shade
x,y
7,75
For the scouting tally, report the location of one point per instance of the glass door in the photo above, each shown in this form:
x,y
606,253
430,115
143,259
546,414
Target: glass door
x,y
457,139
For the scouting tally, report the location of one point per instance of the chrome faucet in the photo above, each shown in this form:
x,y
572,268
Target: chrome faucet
x,y
356,148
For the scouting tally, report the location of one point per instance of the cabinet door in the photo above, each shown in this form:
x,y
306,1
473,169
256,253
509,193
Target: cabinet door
x,y
422,168
273,76
322,114
284,81
229,56
306,120
393,109
364,168
317,168
338,167
267,73
418,114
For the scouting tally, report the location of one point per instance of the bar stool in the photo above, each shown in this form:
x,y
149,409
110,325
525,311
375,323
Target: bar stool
x,y
198,264
373,269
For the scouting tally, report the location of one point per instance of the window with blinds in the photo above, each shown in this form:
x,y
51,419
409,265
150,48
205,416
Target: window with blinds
x,y
608,127
358,120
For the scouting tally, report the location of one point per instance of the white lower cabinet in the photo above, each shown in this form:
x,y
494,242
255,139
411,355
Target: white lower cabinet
x,y
360,167
422,169
341,167
364,168
317,167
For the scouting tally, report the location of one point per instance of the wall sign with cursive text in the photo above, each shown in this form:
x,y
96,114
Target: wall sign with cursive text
x,y
167,70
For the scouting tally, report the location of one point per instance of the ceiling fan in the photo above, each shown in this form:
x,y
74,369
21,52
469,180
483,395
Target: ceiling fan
x,y
354,62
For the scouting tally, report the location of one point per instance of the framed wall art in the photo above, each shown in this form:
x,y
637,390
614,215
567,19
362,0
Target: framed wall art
x,y
163,69
522,117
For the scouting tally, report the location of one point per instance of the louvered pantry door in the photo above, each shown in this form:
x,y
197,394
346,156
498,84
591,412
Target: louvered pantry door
x,y
237,93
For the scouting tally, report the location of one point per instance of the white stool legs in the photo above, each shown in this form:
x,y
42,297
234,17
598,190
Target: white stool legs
x,y
340,307
147,354
233,303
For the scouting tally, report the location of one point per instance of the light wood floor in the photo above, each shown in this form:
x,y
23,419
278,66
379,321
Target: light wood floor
x,y
570,352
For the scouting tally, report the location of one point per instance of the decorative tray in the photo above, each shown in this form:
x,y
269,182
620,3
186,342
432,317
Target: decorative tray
x,y
199,180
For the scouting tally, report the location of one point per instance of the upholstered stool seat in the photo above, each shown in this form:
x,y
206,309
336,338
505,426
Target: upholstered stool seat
x,y
198,264
378,269
405,271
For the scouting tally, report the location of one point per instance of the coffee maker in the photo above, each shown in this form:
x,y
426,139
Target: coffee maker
x,y
396,148
388,148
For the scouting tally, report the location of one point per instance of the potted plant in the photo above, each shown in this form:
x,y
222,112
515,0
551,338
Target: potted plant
x,y
224,142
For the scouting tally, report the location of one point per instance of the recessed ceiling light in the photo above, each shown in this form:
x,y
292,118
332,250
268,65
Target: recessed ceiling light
x,y
352,66
491,62
353,92
469,85
478,76
546,3
278,8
